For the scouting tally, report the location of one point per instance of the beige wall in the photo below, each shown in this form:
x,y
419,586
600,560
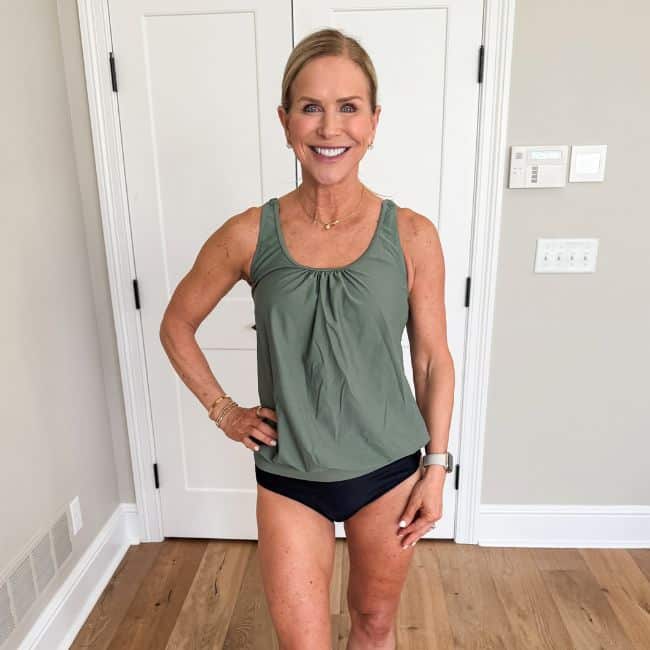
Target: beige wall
x,y
61,432
568,407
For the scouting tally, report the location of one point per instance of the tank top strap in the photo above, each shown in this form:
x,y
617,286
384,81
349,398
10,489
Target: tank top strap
x,y
268,246
390,234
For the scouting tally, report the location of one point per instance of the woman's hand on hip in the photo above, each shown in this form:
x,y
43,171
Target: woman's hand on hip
x,y
244,425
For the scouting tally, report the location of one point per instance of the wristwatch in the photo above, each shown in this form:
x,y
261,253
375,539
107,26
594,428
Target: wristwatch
x,y
445,459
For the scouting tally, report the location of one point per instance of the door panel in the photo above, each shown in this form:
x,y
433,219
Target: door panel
x,y
198,90
425,55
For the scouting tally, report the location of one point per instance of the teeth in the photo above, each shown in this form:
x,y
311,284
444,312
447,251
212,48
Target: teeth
x,y
329,151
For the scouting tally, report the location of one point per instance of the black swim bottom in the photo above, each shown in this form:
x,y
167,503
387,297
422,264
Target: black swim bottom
x,y
339,500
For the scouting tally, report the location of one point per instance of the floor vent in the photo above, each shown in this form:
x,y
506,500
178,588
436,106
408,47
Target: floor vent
x,y
22,588
43,561
6,617
61,540
31,575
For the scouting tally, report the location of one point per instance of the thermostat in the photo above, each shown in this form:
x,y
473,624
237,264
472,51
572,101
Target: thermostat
x,y
538,166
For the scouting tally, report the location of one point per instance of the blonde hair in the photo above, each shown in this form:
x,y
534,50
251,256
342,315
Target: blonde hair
x,y
327,42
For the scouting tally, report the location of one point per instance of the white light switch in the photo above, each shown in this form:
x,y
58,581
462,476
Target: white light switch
x,y
587,163
566,255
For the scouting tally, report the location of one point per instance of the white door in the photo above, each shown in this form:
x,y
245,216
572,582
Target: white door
x,y
198,86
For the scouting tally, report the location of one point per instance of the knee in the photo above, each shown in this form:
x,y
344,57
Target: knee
x,y
376,625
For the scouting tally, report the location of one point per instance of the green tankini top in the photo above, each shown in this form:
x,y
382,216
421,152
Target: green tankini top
x,y
329,356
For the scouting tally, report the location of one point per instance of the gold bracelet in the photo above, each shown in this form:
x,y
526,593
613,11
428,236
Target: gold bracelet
x,y
231,401
216,401
224,410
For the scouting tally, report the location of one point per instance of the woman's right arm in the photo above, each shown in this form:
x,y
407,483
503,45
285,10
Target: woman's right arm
x,y
221,262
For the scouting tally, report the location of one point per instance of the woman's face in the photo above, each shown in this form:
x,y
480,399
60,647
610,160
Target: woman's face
x,y
330,109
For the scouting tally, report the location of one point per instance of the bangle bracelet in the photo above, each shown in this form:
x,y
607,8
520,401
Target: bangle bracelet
x,y
224,410
216,401
227,405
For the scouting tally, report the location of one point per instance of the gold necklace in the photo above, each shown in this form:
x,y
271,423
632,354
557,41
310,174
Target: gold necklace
x,y
329,224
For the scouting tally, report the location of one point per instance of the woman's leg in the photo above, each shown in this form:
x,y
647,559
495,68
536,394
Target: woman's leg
x,y
296,552
378,568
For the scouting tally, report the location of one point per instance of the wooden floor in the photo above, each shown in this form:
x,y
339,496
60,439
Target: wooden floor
x,y
187,593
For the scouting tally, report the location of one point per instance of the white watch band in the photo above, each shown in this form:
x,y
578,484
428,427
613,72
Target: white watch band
x,y
445,459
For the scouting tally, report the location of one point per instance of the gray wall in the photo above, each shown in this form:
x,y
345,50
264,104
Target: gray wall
x,y
62,422
568,408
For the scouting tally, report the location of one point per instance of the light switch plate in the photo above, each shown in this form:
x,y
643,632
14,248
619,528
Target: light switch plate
x,y
566,255
587,163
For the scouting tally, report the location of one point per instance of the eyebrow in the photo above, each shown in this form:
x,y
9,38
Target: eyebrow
x,y
342,99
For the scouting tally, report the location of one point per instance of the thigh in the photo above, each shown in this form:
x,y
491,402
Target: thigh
x,y
296,553
378,564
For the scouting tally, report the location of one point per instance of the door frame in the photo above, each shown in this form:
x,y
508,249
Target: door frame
x,y
498,27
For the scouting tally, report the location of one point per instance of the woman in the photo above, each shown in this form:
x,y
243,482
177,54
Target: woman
x,y
336,274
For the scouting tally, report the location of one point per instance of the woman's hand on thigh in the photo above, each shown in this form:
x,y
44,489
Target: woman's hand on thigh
x,y
424,508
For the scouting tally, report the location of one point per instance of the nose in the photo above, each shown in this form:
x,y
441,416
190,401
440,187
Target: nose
x,y
328,125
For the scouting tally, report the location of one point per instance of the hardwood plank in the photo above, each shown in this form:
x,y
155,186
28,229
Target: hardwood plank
x,y
626,589
532,613
206,613
423,619
341,614
109,611
338,596
477,617
154,610
642,558
586,613
251,627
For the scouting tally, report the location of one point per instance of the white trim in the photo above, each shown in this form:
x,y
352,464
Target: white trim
x,y
554,526
111,181
498,27
68,609
497,31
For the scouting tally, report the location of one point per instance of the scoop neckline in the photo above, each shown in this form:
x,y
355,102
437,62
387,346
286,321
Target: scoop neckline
x,y
285,249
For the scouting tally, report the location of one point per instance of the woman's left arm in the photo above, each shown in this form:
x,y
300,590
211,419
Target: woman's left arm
x,y
433,368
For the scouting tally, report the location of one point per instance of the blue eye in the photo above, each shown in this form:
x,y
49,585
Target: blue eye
x,y
306,106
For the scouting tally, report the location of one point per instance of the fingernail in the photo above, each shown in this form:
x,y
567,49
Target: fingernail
x,y
405,547
413,544
273,443
402,524
257,448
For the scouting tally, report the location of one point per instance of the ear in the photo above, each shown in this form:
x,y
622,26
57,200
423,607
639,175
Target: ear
x,y
284,120
375,120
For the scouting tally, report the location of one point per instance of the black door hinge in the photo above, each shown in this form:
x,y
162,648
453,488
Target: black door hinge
x,y
468,282
111,61
136,293
156,482
457,473
481,60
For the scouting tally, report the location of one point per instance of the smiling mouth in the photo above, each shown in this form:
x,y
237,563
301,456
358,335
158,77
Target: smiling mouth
x,y
330,153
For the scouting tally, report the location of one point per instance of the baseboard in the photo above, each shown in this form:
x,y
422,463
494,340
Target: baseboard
x,y
65,614
555,526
